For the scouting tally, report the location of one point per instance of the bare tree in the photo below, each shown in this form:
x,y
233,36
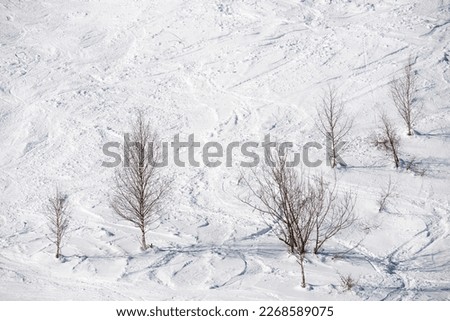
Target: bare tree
x,y
333,124
388,139
391,138
403,91
333,213
296,207
386,194
278,193
58,221
140,187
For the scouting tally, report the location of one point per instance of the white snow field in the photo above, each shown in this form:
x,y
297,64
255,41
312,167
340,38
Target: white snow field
x,y
72,73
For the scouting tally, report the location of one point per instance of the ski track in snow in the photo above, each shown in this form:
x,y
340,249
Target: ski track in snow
x,y
72,72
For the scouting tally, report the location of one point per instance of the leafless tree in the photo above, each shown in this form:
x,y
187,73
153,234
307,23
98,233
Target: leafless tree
x,y
403,91
388,139
58,220
333,124
333,213
297,209
386,194
141,188
278,193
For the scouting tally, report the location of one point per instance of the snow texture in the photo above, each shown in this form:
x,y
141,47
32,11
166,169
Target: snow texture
x,y
72,73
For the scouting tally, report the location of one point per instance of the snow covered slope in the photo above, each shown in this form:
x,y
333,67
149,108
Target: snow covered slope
x,y
72,72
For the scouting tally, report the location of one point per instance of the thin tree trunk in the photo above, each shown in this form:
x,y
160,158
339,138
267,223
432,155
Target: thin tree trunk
x,y
333,163
301,261
397,162
143,241
316,247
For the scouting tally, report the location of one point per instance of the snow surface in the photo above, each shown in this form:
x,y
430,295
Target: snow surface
x,y
72,72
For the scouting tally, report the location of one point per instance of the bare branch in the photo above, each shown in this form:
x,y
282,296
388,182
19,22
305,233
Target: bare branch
x,y
347,282
333,123
58,220
403,93
386,194
389,139
140,187
298,209
333,213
